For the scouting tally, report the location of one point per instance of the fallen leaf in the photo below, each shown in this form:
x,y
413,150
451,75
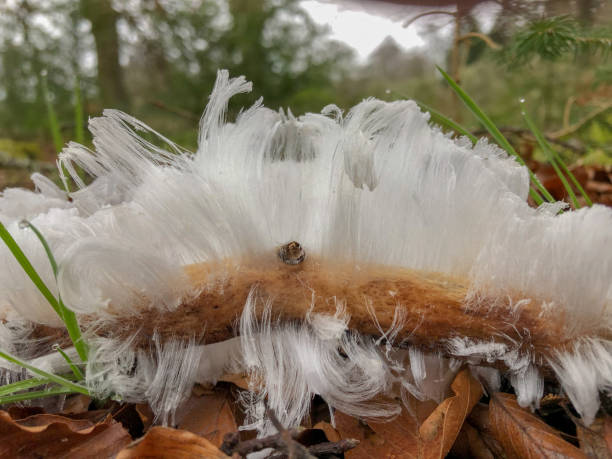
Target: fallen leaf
x,y
20,412
330,433
78,403
209,416
524,435
49,435
608,432
479,420
370,443
127,415
163,442
397,438
199,389
146,415
441,428
592,441
461,447
477,447
408,435
239,379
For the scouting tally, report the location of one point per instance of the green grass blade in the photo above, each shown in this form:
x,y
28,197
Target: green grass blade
x,y
72,325
56,134
22,385
79,132
28,268
75,370
50,376
442,120
497,136
572,178
548,151
35,394
67,316
44,243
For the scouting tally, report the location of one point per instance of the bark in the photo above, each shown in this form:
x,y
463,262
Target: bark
x,y
103,20
435,305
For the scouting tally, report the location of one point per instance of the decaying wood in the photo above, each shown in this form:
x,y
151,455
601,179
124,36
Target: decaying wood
x,y
434,304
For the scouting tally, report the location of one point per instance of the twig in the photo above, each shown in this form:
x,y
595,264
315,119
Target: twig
x,y
232,445
566,111
527,134
230,441
488,41
175,111
293,449
335,447
427,13
574,127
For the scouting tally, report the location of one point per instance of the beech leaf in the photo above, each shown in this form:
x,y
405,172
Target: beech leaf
x,y
524,435
405,436
163,442
209,415
592,441
330,433
441,428
50,435
608,432
399,438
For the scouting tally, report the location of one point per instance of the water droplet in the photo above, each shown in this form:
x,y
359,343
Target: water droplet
x,y
387,91
55,347
23,224
522,100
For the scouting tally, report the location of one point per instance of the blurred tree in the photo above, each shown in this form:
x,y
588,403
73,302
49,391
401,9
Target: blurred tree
x,y
103,19
172,50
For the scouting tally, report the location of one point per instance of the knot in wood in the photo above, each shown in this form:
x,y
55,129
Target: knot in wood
x,y
292,253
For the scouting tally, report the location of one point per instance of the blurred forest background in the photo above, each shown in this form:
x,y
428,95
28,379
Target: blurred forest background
x,y
62,61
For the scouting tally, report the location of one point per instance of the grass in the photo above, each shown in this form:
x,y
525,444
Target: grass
x,y
499,138
9,393
557,163
67,316
56,134
54,127
446,122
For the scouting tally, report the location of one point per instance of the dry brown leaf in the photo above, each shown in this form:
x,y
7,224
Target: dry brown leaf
x,y
209,416
49,435
146,415
163,442
200,389
405,436
20,412
592,441
373,445
78,403
477,447
441,428
524,435
461,447
330,433
608,432
239,379
479,419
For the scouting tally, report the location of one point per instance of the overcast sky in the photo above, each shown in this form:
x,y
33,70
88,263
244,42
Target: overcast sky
x,y
365,24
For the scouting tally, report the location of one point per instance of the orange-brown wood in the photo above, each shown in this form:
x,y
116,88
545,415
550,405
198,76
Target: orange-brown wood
x,y
434,303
